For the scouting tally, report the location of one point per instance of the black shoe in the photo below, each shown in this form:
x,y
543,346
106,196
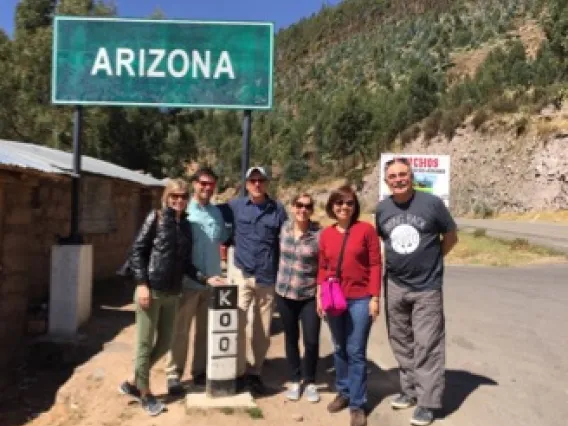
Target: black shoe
x,y
422,417
255,385
200,379
127,388
175,388
241,384
151,405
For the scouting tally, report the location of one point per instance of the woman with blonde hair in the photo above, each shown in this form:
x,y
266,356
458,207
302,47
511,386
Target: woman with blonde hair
x,y
160,256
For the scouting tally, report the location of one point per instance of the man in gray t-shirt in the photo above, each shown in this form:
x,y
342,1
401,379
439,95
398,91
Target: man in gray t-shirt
x,y
417,231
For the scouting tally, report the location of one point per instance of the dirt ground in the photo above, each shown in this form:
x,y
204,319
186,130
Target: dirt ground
x,y
76,383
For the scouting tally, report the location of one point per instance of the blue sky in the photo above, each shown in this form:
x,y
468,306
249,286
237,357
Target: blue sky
x,y
281,12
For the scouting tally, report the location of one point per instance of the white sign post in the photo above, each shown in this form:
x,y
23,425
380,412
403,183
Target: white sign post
x,y
222,342
431,174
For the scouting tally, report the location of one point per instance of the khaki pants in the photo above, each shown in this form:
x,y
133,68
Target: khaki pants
x,y
193,304
263,297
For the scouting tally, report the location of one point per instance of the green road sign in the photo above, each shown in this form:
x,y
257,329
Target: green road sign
x,y
162,63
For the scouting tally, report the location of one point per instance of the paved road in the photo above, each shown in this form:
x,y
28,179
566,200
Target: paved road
x,y
551,235
507,342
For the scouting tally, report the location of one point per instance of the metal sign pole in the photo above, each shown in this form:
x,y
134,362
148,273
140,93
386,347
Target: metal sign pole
x,y
74,235
245,157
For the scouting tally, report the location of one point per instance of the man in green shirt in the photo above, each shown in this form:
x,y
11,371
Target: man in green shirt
x,y
208,232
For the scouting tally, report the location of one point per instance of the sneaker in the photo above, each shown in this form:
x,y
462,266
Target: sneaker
x,y
294,391
200,380
403,401
422,417
152,405
311,393
241,384
255,384
358,417
339,403
127,388
175,387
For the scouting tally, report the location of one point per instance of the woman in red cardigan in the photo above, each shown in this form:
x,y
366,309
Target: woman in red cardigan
x,y
360,277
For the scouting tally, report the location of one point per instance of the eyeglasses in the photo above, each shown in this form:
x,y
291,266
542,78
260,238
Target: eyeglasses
x,y
348,203
257,181
206,183
183,196
299,205
399,174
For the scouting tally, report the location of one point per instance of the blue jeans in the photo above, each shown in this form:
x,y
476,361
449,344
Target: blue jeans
x,y
350,333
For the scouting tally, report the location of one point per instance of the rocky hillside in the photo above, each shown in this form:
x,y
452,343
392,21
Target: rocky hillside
x,y
511,163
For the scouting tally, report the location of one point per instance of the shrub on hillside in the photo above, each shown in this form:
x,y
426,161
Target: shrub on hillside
x,y
480,117
449,123
409,134
504,105
431,125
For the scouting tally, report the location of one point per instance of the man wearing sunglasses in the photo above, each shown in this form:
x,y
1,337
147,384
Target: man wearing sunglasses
x,y
417,232
256,231
208,233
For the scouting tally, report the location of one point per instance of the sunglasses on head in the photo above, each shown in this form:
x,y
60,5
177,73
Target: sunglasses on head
x,y
184,196
348,203
299,205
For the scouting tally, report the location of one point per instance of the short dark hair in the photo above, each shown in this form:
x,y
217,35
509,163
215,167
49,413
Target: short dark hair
x,y
204,171
339,194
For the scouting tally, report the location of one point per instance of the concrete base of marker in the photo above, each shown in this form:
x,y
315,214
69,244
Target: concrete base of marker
x,y
71,285
202,402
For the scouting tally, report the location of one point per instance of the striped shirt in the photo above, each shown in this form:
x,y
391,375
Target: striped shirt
x,y
297,270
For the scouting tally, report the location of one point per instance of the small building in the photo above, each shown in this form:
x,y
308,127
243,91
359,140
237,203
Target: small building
x,y
35,211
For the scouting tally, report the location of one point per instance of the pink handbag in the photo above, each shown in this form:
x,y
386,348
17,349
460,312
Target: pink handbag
x,y
333,300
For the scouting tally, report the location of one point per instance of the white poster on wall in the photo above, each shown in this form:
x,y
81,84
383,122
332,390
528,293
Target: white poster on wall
x,y
431,174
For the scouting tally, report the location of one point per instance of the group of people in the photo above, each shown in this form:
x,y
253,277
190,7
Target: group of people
x,y
281,261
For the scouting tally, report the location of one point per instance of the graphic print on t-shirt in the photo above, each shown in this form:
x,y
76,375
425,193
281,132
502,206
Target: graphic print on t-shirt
x,y
404,239
403,233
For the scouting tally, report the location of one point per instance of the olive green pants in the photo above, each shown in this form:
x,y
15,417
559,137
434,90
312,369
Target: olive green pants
x,y
154,332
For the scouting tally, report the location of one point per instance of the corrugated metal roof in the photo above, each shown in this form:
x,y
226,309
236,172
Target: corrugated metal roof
x,y
49,160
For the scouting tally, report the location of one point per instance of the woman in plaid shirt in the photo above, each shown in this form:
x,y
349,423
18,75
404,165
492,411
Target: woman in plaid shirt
x,y
295,295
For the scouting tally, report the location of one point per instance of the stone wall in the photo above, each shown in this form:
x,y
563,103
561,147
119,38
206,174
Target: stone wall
x,y
35,212
15,262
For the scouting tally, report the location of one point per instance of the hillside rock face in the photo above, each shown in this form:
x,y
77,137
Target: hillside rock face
x,y
496,169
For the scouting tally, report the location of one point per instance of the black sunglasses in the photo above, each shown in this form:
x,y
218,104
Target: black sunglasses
x,y
299,205
179,196
348,203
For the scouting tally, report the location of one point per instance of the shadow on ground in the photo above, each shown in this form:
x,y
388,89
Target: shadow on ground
x,y
43,366
459,385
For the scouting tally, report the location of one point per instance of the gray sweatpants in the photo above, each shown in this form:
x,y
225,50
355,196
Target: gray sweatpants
x,y
415,321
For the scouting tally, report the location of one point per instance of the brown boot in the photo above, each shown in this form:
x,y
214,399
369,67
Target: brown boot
x,y
338,404
358,417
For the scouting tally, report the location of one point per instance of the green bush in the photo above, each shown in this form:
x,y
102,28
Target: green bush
x,y
409,134
480,117
431,125
449,123
504,104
